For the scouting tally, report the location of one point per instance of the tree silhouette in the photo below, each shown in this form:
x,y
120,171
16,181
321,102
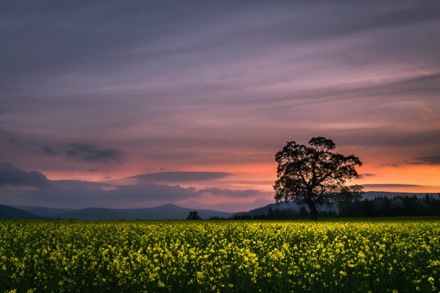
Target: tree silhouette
x,y
314,174
193,215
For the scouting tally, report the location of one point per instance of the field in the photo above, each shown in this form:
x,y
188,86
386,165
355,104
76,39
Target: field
x,y
223,256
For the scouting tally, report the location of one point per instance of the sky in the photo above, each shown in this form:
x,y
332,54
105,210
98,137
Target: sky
x,y
128,104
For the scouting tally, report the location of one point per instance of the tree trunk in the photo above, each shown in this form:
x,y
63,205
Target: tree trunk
x,y
313,211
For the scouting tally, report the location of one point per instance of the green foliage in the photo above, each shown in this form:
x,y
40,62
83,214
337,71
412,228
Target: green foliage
x,y
219,256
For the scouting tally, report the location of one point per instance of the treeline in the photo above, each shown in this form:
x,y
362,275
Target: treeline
x,y
380,206
279,214
383,206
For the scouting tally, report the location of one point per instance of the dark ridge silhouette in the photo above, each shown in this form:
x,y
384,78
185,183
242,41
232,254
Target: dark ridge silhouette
x,y
11,213
163,212
370,205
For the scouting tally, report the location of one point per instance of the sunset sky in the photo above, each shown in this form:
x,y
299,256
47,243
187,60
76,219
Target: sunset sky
x,y
129,104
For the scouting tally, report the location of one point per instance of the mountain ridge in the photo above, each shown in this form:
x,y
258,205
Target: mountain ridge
x,y
166,211
12,213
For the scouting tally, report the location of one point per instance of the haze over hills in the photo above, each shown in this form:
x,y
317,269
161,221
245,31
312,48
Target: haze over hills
x,y
11,213
372,194
163,212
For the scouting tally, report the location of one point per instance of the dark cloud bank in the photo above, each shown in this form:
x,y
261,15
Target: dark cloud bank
x,y
11,176
74,193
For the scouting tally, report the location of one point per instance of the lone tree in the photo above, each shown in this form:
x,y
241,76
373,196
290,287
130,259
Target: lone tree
x,y
193,215
315,175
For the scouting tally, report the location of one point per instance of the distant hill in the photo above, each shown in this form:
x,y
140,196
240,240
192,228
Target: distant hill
x,y
370,195
373,194
265,210
163,212
282,206
11,213
43,212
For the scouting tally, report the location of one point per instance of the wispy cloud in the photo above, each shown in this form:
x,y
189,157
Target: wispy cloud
x,y
215,85
181,176
364,175
90,153
391,185
49,151
248,193
429,160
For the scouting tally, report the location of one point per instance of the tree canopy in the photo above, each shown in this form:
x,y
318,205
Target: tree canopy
x,y
193,215
314,174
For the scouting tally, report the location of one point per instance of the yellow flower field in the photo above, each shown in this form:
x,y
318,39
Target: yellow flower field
x,y
223,256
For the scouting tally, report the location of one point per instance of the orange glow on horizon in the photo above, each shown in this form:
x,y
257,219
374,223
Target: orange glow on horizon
x,y
261,176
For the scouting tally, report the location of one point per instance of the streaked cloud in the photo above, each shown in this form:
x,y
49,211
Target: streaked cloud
x,y
391,185
181,176
213,89
232,193
364,175
429,160
90,153
49,151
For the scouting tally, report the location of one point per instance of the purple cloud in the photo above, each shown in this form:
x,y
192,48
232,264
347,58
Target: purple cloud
x,y
181,176
11,176
429,160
